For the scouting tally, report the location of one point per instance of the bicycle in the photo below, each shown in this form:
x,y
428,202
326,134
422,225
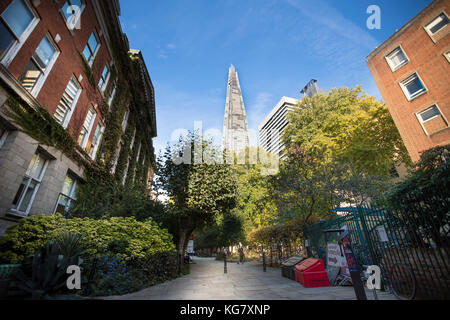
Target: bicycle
x,y
399,280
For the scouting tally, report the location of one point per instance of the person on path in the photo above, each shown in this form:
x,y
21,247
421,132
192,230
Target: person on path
x,y
241,253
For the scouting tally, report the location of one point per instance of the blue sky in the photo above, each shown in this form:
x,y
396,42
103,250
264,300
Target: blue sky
x,y
277,46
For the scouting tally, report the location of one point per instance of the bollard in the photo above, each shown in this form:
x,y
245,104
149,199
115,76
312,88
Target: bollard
x,y
264,260
225,262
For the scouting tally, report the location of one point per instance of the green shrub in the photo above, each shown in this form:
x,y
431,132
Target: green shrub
x,y
140,239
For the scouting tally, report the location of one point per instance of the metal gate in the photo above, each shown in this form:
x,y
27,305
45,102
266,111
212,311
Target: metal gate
x,y
417,238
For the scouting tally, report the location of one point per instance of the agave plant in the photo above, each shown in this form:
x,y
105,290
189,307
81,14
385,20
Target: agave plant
x,y
49,266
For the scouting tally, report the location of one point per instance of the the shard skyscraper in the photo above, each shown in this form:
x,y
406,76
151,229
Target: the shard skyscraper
x,y
235,126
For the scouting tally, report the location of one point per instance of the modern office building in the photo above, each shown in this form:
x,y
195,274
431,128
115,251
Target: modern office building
x,y
271,129
67,65
412,71
235,125
311,89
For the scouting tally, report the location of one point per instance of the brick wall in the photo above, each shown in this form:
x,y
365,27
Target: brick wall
x,y
69,61
426,57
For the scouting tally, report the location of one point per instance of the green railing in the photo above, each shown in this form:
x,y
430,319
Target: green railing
x,y
417,237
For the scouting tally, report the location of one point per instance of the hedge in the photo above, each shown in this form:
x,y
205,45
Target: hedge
x,y
142,239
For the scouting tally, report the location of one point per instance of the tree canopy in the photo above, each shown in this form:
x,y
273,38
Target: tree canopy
x,y
199,191
349,126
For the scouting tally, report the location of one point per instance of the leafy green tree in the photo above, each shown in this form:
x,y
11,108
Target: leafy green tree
x,y
254,197
198,191
305,188
423,198
349,126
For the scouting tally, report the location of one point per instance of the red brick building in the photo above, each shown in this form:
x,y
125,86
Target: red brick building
x,y
71,58
412,71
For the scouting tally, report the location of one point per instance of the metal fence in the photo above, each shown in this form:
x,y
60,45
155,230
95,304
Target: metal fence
x,y
416,236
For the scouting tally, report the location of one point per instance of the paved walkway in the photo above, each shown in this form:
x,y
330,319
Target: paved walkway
x,y
207,281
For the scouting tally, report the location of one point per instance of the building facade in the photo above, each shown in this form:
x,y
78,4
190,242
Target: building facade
x,y
412,72
311,89
235,126
270,130
68,65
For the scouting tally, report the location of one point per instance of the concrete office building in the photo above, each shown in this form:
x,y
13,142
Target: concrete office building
x,y
271,128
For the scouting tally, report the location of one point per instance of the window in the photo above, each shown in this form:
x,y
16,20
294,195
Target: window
x,y
432,120
3,135
396,58
447,56
125,172
103,82
16,24
96,141
412,87
68,102
139,152
437,24
91,49
87,127
112,93
132,140
116,159
30,184
39,66
125,120
71,11
68,195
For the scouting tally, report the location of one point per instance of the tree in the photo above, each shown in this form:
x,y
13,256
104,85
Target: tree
x,y
350,127
254,196
198,191
305,187
423,198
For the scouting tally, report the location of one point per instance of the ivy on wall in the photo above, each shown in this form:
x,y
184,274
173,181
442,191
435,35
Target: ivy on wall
x,y
41,126
102,192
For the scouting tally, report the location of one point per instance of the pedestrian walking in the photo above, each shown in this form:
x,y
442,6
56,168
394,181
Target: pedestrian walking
x,y
241,253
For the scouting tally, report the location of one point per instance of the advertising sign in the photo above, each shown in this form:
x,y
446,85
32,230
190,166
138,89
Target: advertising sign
x,y
382,233
336,259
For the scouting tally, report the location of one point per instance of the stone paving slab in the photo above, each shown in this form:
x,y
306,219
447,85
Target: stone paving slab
x,y
207,281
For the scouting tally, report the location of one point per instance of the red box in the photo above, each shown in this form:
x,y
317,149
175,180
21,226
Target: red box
x,y
311,273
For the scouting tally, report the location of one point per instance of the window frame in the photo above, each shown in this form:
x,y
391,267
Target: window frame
x,y
71,25
72,197
125,118
403,86
38,182
447,55
388,57
105,80
427,29
72,107
44,73
17,44
117,156
94,53
112,93
422,123
3,135
97,145
125,173
85,139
